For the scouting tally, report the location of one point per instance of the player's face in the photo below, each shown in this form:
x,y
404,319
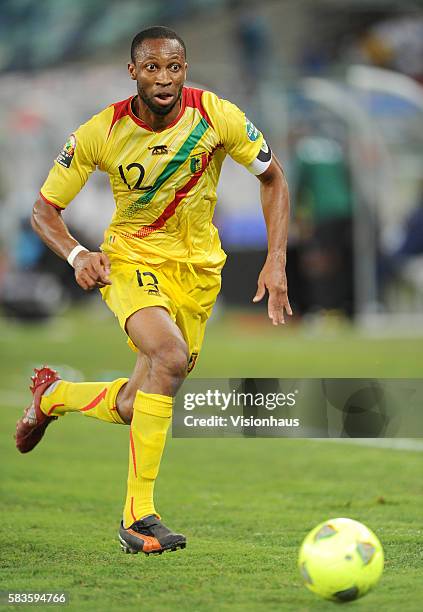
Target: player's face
x,y
160,72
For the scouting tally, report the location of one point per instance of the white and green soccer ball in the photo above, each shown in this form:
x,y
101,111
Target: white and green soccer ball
x,y
341,560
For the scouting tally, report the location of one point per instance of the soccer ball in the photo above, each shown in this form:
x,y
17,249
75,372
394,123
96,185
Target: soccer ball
x,y
341,559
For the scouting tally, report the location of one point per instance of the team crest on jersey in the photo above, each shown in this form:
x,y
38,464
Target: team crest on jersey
x,y
198,162
252,131
65,156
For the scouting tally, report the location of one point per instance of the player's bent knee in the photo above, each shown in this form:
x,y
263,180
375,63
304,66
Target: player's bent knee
x,y
171,359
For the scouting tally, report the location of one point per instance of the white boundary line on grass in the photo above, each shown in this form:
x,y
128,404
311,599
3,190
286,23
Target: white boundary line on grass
x,y
402,444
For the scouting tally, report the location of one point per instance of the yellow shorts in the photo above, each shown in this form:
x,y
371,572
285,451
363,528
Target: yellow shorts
x,y
188,294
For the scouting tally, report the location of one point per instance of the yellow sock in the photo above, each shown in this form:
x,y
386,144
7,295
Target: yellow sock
x,y
147,436
93,399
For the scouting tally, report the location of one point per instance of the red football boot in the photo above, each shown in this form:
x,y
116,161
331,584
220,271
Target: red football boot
x,y
31,427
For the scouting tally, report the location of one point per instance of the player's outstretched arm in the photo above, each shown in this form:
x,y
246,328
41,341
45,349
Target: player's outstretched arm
x,y
91,269
274,197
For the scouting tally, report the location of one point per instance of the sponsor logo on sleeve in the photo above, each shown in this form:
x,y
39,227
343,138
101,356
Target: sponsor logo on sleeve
x,y
65,156
252,131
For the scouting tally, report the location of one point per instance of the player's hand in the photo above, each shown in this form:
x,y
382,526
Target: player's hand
x,y
92,270
273,278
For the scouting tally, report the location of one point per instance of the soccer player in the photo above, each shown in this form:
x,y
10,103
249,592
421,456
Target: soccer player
x,y
159,266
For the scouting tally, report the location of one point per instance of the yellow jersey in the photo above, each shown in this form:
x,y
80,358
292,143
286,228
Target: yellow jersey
x,y
163,183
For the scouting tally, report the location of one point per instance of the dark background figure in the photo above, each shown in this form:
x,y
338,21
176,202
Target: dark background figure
x,y
323,213
408,244
35,283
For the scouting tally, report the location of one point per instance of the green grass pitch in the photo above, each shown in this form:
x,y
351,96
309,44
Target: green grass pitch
x,y
244,504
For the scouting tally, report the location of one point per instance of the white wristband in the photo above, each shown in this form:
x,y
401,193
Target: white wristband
x,y
75,251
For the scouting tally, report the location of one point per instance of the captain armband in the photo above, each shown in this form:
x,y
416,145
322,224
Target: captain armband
x,y
262,161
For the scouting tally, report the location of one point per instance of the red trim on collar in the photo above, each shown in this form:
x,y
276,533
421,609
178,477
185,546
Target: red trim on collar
x,y
144,125
120,109
193,99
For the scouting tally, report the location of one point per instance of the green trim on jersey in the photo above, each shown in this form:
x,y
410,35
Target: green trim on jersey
x,y
179,158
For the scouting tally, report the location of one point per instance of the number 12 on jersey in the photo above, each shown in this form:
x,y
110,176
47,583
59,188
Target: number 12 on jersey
x,y
141,171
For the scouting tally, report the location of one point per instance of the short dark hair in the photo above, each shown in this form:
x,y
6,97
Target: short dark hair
x,y
155,32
